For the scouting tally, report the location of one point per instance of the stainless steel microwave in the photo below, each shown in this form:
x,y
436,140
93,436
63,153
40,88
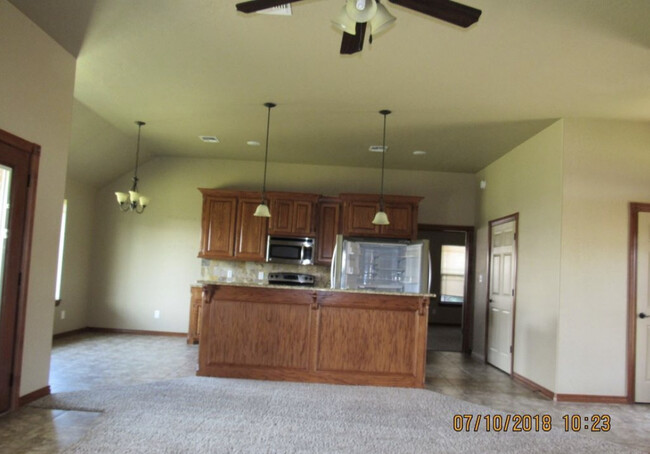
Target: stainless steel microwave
x,y
296,251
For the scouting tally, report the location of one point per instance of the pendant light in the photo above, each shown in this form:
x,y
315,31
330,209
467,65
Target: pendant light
x,y
133,201
381,218
262,209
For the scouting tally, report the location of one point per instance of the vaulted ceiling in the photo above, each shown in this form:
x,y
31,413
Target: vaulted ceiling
x,y
464,96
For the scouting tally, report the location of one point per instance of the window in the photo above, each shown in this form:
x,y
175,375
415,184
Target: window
x,y
452,274
59,263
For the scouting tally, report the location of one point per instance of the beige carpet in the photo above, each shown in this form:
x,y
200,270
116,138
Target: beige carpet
x,y
215,415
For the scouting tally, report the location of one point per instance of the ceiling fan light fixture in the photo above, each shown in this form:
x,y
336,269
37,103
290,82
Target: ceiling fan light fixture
x,y
381,20
361,10
344,23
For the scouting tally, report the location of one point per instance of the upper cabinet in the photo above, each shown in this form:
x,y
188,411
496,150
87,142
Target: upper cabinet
x,y
228,228
218,224
229,231
329,225
251,230
292,213
359,211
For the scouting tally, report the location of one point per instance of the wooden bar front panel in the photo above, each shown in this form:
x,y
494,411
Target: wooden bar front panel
x,y
321,336
366,340
258,334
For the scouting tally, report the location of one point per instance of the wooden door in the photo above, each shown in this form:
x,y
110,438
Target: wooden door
x,y
501,294
218,226
18,159
329,215
251,231
642,378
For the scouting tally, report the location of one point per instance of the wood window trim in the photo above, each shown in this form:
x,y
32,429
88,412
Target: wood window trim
x,y
34,152
468,305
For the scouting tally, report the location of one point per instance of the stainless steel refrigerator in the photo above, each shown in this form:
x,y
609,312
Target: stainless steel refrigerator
x,y
381,265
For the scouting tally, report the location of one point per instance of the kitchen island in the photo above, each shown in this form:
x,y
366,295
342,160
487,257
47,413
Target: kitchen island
x,y
313,335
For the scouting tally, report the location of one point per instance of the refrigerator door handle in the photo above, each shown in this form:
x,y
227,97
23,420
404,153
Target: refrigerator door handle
x,y
333,267
429,286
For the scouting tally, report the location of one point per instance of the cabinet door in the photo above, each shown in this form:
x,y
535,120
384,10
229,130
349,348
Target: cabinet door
x,y
400,216
218,227
282,213
251,232
302,218
193,331
358,216
329,216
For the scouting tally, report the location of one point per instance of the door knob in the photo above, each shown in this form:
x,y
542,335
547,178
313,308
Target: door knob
x,y
643,315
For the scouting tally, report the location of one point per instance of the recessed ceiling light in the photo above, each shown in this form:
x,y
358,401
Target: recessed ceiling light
x,y
419,152
253,143
209,139
377,148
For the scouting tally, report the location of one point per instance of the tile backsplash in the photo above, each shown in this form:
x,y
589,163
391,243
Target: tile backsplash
x,y
249,272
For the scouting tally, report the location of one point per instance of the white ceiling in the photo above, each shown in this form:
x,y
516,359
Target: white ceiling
x,y
465,96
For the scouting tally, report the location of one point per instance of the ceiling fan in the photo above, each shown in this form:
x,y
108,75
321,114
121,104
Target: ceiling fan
x,y
356,15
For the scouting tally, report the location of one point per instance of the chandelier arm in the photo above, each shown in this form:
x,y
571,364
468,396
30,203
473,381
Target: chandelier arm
x,y
137,155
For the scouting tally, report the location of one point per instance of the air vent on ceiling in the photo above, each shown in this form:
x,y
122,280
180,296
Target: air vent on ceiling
x,y
282,10
209,139
377,148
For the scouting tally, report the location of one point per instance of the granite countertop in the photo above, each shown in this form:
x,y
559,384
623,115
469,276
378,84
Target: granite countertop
x,y
311,289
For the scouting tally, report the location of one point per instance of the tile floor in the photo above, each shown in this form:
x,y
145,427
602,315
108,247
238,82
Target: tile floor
x,y
92,360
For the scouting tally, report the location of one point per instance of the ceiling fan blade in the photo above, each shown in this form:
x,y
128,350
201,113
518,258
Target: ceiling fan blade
x,y
452,12
257,5
352,44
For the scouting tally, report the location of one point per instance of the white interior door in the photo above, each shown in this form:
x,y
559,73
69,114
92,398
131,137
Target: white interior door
x,y
501,296
642,380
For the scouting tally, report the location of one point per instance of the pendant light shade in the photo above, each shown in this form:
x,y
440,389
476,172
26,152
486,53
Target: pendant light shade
x,y
134,201
380,217
262,209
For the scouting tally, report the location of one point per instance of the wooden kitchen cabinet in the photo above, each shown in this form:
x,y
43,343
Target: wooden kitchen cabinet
x,y
228,228
251,231
194,330
292,214
218,224
359,211
329,225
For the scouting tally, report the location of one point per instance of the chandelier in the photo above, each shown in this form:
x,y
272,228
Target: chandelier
x,y
133,201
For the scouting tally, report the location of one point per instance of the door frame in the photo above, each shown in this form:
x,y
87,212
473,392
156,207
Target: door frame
x,y
633,249
34,151
491,224
468,305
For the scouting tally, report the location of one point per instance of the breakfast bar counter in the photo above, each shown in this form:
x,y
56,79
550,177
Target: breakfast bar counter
x,y
313,335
